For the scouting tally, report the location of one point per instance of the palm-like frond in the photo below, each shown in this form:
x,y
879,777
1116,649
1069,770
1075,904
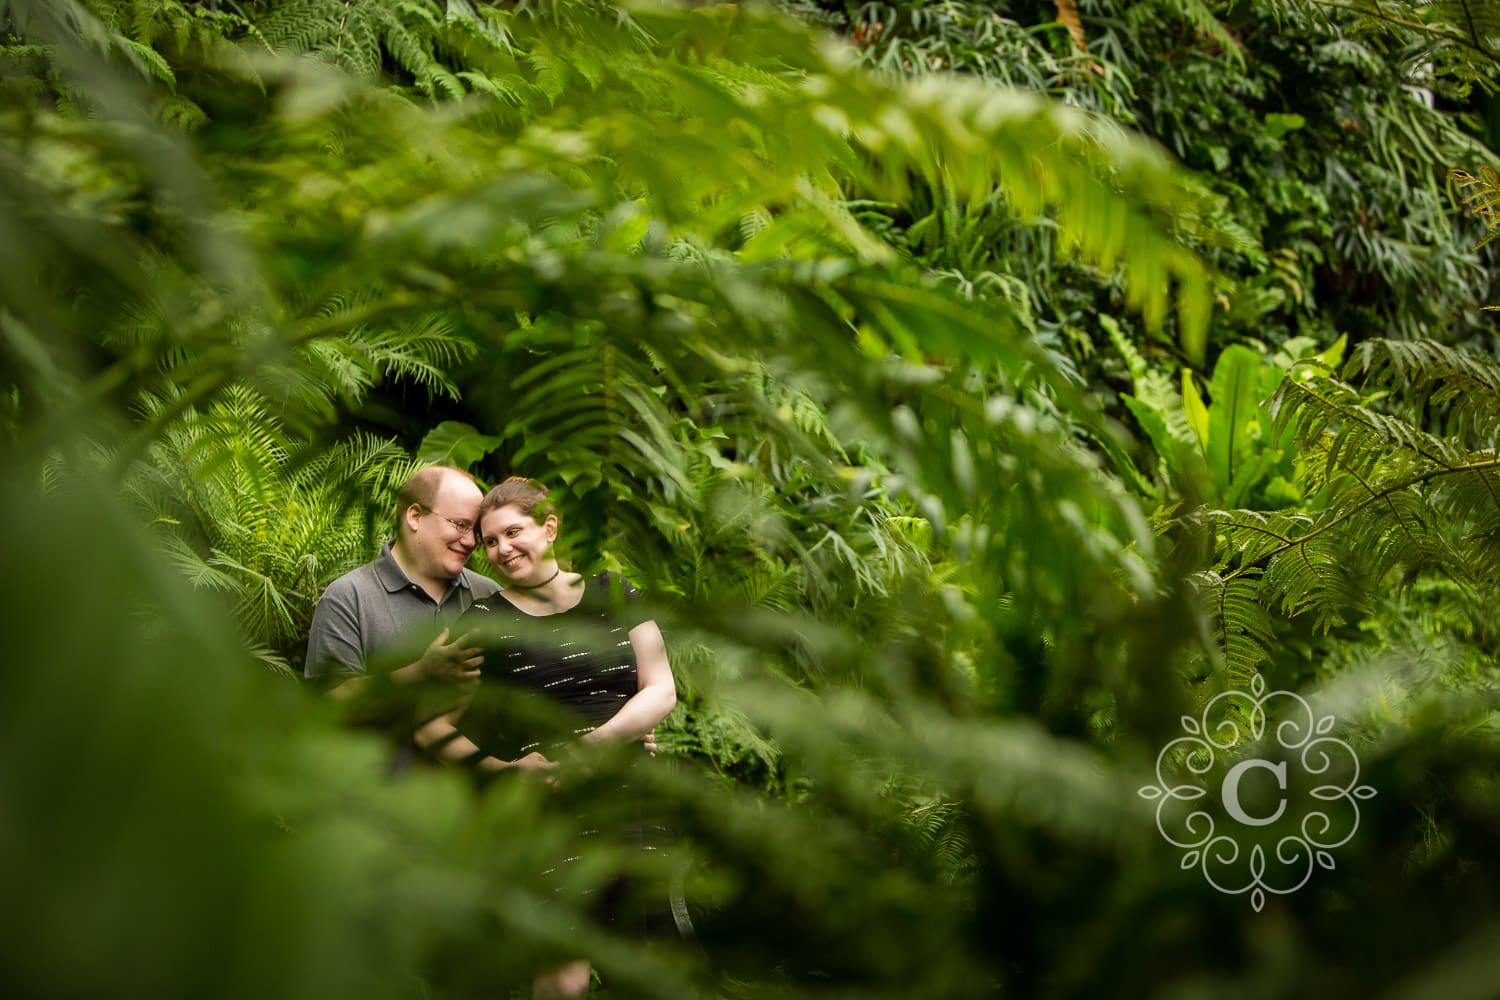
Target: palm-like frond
x,y
641,237
245,508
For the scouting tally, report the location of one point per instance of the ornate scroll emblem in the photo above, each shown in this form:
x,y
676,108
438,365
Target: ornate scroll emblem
x,y
1286,841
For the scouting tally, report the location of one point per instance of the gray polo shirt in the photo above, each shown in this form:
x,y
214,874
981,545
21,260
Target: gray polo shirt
x,y
376,608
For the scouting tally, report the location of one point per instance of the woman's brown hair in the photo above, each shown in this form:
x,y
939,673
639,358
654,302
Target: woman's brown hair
x,y
528,495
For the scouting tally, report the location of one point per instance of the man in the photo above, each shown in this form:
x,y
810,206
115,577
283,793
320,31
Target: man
x,y
415,588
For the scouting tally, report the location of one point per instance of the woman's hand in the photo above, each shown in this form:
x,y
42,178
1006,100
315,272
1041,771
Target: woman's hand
x,y
533,764
534,761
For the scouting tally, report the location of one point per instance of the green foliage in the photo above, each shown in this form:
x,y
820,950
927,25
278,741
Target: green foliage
x,y
1482,199
360,35
454,443
1347,207
245,509
759,316
1444,40
737,413
1323,174
1223,451
1397,503
158,39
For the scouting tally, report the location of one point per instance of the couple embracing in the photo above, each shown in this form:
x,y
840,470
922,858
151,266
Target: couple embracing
x,y
550,637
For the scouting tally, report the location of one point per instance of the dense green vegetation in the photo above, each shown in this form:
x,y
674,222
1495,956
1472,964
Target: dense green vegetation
x,y
978,391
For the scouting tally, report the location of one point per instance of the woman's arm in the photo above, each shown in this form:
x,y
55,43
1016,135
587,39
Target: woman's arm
x,y
440,736
655,690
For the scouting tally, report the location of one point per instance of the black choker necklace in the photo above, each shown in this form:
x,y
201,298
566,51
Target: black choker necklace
x,y
536,586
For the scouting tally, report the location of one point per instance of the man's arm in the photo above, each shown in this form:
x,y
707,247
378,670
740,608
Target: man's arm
x,y
334,650
333,642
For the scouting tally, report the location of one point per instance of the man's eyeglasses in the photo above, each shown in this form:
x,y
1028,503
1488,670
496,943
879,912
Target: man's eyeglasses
x,y
466,527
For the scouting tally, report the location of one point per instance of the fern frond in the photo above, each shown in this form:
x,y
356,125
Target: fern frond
x,y
1242,624
1458,39
1482,200
1331,422
1397,503
1459,388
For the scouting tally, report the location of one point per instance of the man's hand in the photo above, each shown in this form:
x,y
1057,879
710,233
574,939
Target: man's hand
x,y
457,662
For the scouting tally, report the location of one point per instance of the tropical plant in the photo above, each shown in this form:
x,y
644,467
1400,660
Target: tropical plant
x,y
700,282
1406,478
245,509
1482,199
1332,213
1221,451
1443,41
908,598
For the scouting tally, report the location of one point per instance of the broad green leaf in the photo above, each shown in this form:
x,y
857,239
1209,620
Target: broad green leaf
x,y
455,443
1154,423
1333,357
1192,404
1278,125
1234,413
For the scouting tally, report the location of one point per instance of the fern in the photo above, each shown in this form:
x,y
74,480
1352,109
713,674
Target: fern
x,y
1457,39
360,35
936,624
1245,633
1459,386
1482,199
1204,17
1397,503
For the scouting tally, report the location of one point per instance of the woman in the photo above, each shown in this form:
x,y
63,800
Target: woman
x,y
552,641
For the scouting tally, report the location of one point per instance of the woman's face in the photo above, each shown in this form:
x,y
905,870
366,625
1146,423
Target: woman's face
x,y
516,545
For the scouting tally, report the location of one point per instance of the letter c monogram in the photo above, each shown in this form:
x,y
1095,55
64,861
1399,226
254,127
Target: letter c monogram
x,y
1231,791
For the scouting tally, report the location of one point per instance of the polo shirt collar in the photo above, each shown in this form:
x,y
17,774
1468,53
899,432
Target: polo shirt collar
x,y
394,578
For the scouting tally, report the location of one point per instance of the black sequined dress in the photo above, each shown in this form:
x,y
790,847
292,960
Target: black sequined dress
x,y
548,680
